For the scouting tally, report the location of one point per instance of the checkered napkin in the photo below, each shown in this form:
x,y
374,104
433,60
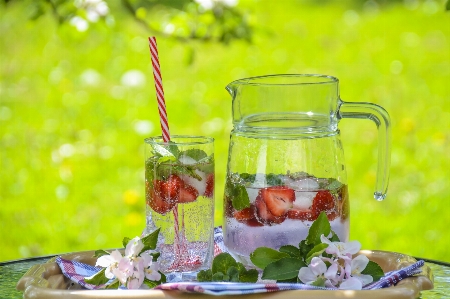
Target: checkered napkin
x,y
77,271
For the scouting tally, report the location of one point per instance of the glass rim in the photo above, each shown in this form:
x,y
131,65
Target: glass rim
x,y
261,80
195,139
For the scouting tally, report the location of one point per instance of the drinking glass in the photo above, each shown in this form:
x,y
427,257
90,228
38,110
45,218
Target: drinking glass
x,y
179,193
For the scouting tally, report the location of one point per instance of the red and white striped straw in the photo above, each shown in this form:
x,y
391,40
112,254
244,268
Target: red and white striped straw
x,y
159,89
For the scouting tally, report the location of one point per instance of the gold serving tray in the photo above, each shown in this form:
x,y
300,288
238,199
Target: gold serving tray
x,y
45,281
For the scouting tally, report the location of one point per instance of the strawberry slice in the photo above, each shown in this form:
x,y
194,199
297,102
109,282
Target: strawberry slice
x,y
157,203
245,214
278,199
209,191
170,188
263,214
323,201
300,214
187,194
253,222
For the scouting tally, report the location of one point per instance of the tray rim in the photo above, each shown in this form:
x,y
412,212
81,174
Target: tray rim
x,y
34,283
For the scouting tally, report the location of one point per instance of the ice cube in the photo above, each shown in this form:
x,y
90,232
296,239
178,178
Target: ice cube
x,y
199,185
252,193
303,199
186,160
309,184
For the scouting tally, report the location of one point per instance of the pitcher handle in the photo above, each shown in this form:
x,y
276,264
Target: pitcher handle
x,y
381,118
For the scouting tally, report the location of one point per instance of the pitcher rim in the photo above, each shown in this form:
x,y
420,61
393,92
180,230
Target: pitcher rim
x,y
248,81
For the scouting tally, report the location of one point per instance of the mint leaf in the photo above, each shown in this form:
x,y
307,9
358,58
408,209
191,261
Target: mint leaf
x,y
334,185
100,252
320,226
238,195
291,250
263,256
248,178
125,241
219,276
114,285
222,262
204,275
250,275
274,180
166,151
285,268
374,270
173,149
233,273
194,153
98,278
315,252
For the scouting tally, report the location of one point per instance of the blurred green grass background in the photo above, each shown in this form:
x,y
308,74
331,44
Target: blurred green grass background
x,y
76,106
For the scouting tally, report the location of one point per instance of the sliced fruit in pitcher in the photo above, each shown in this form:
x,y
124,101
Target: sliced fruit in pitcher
x,y
278,199
263,214
323,201
301,214
245,214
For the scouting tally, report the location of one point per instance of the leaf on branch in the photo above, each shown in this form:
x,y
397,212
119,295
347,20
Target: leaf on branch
x,y
97,279
263,256
285,268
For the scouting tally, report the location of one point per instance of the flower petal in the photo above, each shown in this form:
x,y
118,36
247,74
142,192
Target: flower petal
x,y
359,263
317,266
351,283
306,275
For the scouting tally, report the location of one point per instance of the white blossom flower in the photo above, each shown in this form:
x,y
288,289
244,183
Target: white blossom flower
x,y
109,262
341,249
351,283
317,269
357,265
134,247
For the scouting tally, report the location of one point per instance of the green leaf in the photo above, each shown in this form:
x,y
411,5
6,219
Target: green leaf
x,y
264,256
150,283
173,149
240,200
163,277
291,250
248,178
315,252
97,279
285,268
222,262
165,151
150,241
165,159
305,248
447,6
274,180
233,273
204,275
218,276
334,185
114,285
100,252
334,237
125,241
374,270
250,275
155,256
319,282
290,280
320,226
195,153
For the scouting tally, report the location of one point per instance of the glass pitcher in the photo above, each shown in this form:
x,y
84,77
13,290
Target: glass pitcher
x,y
286,161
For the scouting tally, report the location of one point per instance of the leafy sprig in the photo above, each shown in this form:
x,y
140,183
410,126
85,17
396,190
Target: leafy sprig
x,y
283,265
225,268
